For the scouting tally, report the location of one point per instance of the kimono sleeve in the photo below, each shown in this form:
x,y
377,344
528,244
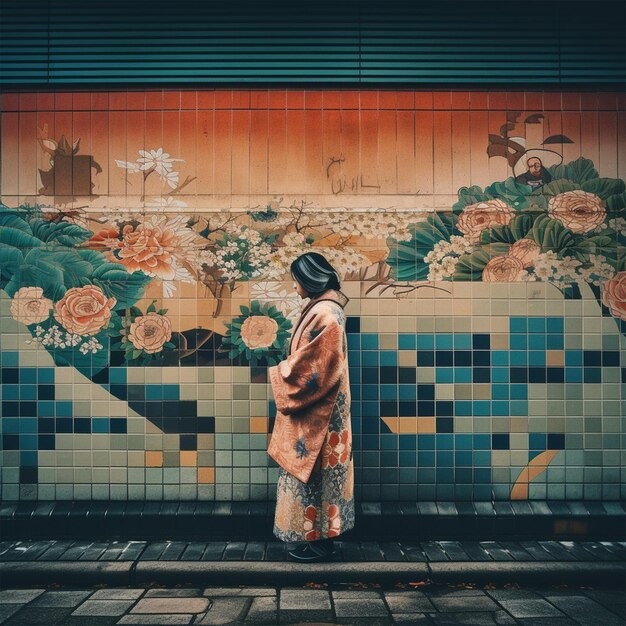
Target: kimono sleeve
x,y
313,370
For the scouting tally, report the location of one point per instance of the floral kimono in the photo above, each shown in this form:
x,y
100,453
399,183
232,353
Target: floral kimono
x,y
312,436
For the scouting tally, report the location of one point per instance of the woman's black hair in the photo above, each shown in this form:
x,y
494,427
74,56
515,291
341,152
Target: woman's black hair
x,y
314,273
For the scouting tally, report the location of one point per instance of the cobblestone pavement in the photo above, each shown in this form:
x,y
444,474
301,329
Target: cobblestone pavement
x,y
318,604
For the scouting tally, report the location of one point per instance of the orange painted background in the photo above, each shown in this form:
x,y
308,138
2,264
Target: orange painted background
x,y
239,149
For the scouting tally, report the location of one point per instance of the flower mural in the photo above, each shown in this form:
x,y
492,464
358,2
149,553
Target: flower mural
x,y
259,333
568,232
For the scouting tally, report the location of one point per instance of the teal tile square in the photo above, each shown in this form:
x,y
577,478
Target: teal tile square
x,y
369,341
28,442
555,324
518,358
389,357
28,425
407,341
518,408
388,392
10,392
370,392
444,375
28,392
537,342
369,358
154,392
574,357
500,374
537,358
118,375
462,374
28,375
499,357
444,341
100,425
518,342
518,324
407,392
10,424
425,342
537,324
482,408
463,441
573,374
45,408
499,392
462,341
171,392
354,341
463,408
519,392
555,342
9,358
45,375
500,408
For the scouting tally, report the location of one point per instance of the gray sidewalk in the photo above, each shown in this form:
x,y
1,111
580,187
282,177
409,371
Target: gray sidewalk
x,y
403,604
136,563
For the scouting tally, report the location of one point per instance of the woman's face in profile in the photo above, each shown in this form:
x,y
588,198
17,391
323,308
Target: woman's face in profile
x,y
299,290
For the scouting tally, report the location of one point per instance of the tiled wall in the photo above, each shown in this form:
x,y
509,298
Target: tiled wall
x,y
486,318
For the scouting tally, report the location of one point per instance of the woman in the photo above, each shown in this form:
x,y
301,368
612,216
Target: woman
x,y
312,436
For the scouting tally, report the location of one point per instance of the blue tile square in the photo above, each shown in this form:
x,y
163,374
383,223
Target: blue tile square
x,y
426,442
369,341
500,375
370,358
388,392
537,358
518,324
463,408
444,341
389,357
462,375
555,324
500,408
444,375
10,392
518,408
45,375
407,341
519,392
354,342
518,357
573,374
537,324
537,342
499,392
555,342
482,408
425,342
28,375
574,357
463,441
499,357
9,359
407,392
28,392
462,341
463,458
518,342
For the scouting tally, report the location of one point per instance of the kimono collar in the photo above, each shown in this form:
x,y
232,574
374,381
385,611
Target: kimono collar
x,y
330,294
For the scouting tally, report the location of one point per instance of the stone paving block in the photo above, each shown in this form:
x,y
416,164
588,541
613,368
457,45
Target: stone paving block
x,y
364,621
352,594
584,610
225,592
225,611
6,610
512,594
477,618
264,610
39,615
103,607
304,600
502,617
60,598
19,596
171,605
552,621
529,607
117,594
367,607
174,620
306,616
463,603
173,593
408,602
411,618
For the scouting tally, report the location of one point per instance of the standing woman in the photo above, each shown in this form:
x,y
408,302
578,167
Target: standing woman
x,y
312,436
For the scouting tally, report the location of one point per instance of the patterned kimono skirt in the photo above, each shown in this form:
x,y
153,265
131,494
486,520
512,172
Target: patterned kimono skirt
x,y
324,507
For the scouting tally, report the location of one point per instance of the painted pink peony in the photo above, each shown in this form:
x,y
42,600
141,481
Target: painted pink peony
x,y
477,217
29,306
149,332
259,331
84,310
614,295
148,248
502,269
526,250
578,210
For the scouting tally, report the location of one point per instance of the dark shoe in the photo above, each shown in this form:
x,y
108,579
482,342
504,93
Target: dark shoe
x,y
312,551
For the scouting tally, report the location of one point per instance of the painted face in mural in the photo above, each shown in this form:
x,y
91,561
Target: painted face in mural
x,y
534,166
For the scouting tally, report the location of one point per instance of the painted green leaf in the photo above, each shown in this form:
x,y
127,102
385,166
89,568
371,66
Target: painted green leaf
x,y
561,185
604,187
10,218
63,233
471,266
116,282
17,238
552,235
616,203
469,195
514,194
581,170
10,260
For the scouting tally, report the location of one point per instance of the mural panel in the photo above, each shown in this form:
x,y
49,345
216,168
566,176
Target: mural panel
x,y
144,289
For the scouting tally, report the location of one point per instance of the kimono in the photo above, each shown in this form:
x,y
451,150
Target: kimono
x,y
312,436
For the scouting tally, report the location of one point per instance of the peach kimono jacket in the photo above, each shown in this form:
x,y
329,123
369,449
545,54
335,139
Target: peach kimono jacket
x,y
312,436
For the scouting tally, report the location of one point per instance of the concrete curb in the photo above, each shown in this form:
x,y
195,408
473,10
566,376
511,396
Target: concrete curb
x,y
128,573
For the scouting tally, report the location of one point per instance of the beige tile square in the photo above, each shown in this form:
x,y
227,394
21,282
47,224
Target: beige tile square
x,y
388,341
407,358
